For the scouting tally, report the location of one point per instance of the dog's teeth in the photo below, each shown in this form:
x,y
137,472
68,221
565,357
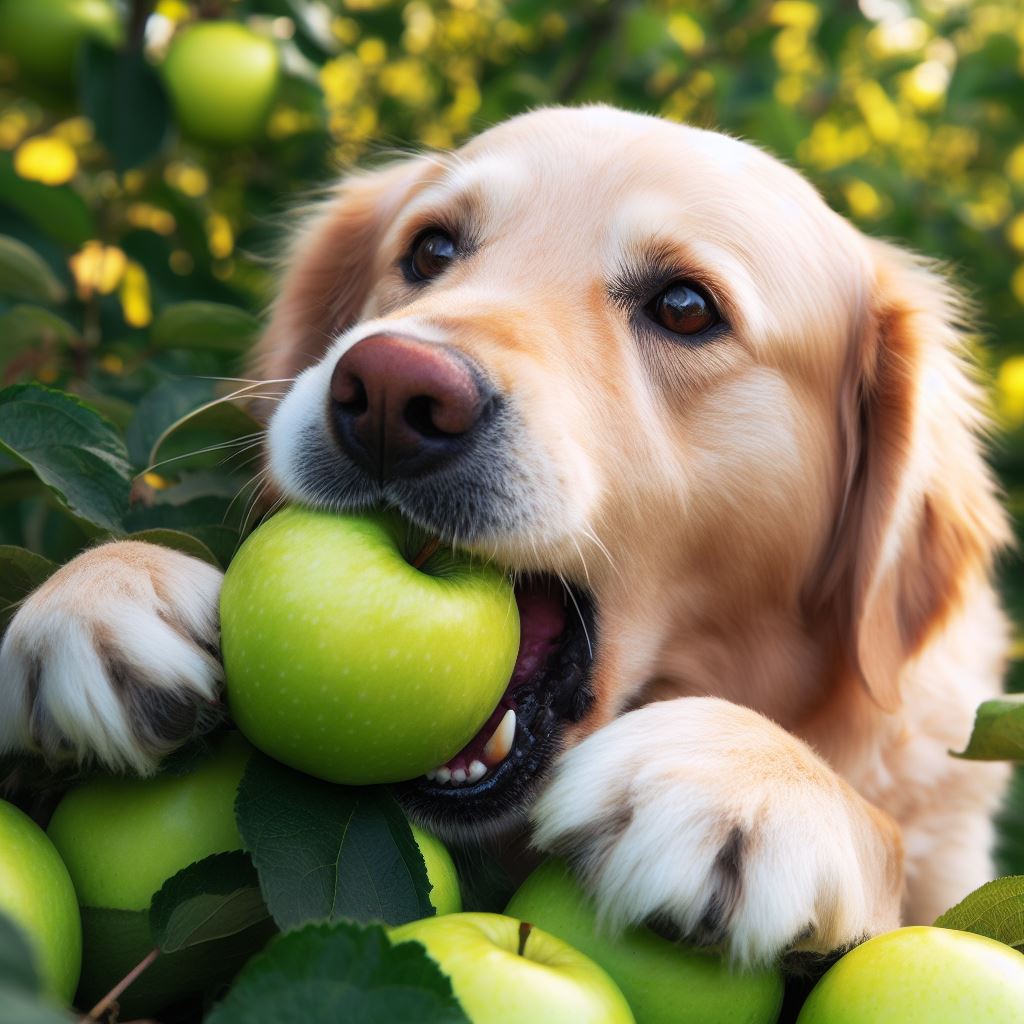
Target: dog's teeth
x,y
477,770
459,775
500,743
432,775
443,774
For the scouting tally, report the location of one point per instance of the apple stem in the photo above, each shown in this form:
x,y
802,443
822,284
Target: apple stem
x,y
426,551
524,933
104,1004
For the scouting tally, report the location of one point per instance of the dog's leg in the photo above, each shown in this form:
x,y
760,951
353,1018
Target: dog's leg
x,y
114,658
707,817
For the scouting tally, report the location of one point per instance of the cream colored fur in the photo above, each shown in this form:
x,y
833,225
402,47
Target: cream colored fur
x,y
788,531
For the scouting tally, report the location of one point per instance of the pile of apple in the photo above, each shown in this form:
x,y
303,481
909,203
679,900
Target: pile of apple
x,y
358,653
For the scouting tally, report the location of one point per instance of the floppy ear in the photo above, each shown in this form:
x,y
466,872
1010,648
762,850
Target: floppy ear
x,y
920,518
329,265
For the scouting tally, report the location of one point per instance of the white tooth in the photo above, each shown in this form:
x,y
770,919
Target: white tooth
x,y
443,774
477,770
459,775
432,775
500,743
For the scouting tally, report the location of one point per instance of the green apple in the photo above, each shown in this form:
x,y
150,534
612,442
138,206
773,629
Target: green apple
x,y
505,972
36,892
121,839
445,895
222,79
43,36
921,975
348,662
665,983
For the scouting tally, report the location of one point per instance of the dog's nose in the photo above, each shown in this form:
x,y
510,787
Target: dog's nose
x,y
401,407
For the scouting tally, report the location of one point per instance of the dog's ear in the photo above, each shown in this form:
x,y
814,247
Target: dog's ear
x,y
329,265
919,519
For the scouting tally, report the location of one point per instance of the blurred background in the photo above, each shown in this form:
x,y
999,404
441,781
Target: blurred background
x,y
150,154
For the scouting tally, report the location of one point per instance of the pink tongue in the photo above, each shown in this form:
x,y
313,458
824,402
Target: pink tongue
x,y
541,622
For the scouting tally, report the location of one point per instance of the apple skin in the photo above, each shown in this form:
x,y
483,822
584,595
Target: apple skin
x,y
36,892
921,975
346,662
550,983
445,895
122,838
665,982
222,79
44,35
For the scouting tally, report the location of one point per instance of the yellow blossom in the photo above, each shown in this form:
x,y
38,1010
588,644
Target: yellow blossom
x,y
97,269
47,159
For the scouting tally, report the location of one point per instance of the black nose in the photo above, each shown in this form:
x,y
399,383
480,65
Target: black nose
x,y
402,407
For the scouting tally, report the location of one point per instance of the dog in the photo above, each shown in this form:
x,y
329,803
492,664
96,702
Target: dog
x,y
730,448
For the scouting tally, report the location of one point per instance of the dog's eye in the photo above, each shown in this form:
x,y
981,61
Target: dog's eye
x,y
684,308
431,254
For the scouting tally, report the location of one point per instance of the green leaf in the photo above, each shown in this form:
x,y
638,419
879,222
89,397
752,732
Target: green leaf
x,y
25,327
57,210
116,940
24,274
17,961
169,403
20,998
211,326
325,852
998,733
72,449
179,541
21,571
211,899
340,974
124,98
995,910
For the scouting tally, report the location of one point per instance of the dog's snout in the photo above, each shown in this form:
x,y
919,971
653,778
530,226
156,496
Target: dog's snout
x,y
401,406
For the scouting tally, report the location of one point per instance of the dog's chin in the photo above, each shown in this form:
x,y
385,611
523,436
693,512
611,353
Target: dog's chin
x,y
549,689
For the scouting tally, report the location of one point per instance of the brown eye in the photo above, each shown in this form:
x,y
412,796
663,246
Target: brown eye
x,y
682,308
432,252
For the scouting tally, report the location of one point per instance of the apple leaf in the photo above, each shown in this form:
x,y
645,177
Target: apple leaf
x,y
995,910
20,999
344,973
211,899
211,326
123,97
31,327
74,451
21,571
179,541
325,852
998,733
159,410
24,274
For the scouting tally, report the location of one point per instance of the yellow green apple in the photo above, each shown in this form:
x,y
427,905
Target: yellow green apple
x,y
36,892
347,661
121,839
445,895
222,79
43,36
665,982
921,975
505,972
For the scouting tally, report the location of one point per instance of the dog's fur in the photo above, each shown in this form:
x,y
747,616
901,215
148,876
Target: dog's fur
x,y
788,529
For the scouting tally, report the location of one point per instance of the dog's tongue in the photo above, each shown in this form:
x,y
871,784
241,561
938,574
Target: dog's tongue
x,y
541,622
542,617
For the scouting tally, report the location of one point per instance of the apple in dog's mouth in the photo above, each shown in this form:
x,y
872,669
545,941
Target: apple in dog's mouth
x,y
489,783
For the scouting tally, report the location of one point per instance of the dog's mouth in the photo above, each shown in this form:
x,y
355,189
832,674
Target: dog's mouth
x,y
489,783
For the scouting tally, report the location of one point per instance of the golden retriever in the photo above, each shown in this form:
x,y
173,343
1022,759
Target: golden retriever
x,y
649,362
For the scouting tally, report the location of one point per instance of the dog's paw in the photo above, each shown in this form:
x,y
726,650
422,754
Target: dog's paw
x,y
705,818
113,659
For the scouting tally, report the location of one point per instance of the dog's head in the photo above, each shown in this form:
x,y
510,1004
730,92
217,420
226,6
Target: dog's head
x,y
649,362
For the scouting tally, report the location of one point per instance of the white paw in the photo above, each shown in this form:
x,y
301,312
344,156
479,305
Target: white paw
x,y
706,817
114,658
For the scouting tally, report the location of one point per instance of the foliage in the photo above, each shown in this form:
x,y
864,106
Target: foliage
x,y
135,264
